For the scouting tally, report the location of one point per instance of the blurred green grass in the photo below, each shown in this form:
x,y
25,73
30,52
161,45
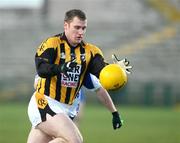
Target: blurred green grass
x,y
141,124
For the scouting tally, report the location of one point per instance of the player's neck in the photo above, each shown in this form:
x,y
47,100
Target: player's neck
x,y
70,43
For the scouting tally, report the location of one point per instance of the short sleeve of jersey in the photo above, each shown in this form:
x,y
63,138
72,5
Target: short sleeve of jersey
x,y
91,82
95,50
51,43
46,55
97,62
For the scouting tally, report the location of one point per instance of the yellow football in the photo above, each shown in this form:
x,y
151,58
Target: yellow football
x,y
112,77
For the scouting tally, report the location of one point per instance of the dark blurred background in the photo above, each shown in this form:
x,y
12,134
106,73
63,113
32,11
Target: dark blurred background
x,y
147,32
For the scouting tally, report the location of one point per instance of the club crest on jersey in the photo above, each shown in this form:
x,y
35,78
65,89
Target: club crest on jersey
x,y
73,77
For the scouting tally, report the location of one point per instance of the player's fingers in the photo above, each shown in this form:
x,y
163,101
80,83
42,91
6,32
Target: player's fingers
x,y
115,59
117,125
126,63
128,71
114,127
128,67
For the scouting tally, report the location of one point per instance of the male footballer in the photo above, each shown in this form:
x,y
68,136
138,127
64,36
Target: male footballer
x,y
63,63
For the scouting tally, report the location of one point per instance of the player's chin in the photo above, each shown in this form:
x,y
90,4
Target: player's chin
x,y
78,41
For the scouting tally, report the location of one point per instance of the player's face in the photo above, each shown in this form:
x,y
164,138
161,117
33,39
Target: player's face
x,y
75,30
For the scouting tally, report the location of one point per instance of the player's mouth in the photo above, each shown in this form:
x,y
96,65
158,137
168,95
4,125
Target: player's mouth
x,y
79,38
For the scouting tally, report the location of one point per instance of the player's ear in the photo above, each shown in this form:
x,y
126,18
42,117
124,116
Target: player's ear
x,y
65,25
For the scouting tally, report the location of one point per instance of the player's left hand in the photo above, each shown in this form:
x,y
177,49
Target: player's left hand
x,y
124,63
116,121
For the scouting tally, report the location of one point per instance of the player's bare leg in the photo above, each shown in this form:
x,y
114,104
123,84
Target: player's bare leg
x,y
37,135
61,128
58,140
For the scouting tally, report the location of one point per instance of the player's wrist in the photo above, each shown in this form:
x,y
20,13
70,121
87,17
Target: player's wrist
x,y
56,69
115,113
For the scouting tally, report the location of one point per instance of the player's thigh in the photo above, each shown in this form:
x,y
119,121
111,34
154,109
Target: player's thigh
x,y
61,126
37,135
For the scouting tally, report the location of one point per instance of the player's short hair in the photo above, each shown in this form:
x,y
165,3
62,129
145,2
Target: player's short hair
x,y
69,15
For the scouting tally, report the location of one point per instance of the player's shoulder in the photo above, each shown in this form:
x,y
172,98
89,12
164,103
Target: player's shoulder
x,y
52,41
90,45
93,48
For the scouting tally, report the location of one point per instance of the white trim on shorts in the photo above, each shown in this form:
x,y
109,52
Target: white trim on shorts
x,y
55,106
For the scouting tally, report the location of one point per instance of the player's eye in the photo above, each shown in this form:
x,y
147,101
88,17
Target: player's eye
x,y
84,28
77,27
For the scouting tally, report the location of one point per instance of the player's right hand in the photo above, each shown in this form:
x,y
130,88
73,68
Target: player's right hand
x,y
68,67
